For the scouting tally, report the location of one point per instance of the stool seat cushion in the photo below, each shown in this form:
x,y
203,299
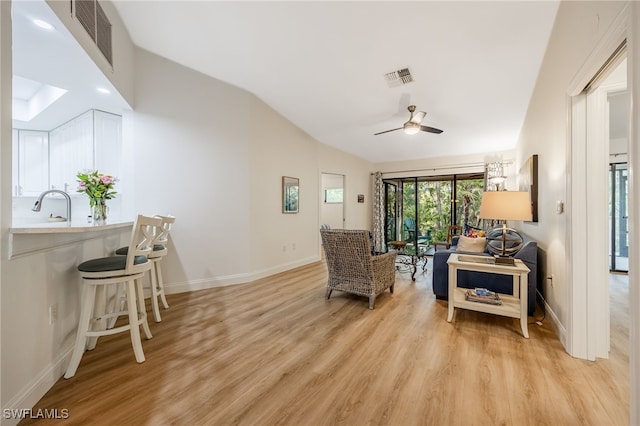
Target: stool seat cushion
x,y
125,250
111,263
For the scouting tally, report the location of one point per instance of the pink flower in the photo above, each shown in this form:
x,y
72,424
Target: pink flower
x,y
106,179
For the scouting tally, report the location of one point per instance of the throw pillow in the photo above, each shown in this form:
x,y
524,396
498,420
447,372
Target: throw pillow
x,y
470,231
472,245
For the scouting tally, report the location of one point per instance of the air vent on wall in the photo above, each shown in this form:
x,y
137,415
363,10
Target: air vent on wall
x,y
398,78
92,17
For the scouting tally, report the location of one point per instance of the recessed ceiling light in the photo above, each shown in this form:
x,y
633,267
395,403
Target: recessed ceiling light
x,y
43,24
103,90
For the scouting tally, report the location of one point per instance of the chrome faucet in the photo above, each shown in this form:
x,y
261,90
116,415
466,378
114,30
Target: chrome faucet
x,y
38,204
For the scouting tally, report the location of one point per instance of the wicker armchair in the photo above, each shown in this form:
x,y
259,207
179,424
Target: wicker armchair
x,y
352,268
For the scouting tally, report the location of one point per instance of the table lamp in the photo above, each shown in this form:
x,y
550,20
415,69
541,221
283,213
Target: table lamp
x,y
505,205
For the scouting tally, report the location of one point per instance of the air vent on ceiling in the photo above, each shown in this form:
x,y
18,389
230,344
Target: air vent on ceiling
x,y
92,17
398,78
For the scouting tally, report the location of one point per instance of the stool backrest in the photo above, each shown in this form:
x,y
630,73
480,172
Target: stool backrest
x,y
142,236
162,237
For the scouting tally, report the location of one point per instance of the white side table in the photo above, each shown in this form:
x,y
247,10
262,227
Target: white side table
x,y
512,306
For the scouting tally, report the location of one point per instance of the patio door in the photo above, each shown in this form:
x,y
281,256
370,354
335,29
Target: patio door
x,y
618,218
419,210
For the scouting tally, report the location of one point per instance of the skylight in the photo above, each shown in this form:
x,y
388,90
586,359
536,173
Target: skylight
x,y
30,97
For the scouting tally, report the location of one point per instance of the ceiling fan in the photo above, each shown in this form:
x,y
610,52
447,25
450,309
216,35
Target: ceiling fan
x,y
413,126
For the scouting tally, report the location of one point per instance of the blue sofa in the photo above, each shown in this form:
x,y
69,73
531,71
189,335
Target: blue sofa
x,y
494,282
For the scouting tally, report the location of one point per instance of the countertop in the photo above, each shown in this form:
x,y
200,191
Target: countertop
x,y
67,227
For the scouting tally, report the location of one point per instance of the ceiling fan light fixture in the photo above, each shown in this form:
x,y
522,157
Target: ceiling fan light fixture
x,y
411,128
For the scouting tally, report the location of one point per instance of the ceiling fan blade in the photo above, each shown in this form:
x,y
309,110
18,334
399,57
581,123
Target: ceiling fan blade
x,y
430,129
387,131
418,117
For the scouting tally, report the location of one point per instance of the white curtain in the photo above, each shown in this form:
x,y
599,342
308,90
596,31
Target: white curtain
x,y
378,213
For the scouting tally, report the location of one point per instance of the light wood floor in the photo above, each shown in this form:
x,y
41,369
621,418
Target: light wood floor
x,y
275,352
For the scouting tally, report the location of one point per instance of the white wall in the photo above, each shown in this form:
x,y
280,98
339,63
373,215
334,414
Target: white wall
x,y
187,147
357,180
280,241
578,27
217,155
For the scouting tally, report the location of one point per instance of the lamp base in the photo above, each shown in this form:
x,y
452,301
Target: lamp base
x,y
503,241
504,260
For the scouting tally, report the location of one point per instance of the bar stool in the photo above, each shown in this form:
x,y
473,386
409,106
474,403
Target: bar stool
x,y
115,271
156,256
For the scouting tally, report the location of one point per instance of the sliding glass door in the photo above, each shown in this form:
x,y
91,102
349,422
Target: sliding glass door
x,y
421,209
618,218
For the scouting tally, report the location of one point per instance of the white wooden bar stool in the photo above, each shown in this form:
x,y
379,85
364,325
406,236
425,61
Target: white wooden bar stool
x,y
115,271
156,256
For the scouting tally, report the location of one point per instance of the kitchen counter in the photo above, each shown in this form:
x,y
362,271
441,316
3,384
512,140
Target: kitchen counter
x,y
67,227
29,238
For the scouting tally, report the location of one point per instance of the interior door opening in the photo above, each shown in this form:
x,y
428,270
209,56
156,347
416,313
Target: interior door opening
x,y
332,203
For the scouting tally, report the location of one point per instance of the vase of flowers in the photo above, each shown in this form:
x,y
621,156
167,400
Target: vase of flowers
x,y
99,211
99,188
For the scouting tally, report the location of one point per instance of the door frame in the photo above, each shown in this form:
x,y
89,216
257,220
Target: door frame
x,y
587,191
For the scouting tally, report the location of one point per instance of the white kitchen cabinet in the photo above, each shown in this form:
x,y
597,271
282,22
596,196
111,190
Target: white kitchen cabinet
x,y
108,143
30,162
71,150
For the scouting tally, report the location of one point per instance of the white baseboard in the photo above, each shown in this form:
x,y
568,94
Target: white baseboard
x,y
561,332
223,281
36,389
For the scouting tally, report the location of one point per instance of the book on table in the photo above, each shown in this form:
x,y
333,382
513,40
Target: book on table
x,y
483,295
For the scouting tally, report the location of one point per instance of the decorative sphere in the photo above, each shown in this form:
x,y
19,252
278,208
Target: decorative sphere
x,y
513,241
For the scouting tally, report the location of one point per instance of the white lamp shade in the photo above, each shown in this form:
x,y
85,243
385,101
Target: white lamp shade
x,y
505,205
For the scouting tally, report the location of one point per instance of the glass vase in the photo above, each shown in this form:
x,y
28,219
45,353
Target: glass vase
x,y
100,211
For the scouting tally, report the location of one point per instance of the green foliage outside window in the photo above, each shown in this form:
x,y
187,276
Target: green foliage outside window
x,y
434,207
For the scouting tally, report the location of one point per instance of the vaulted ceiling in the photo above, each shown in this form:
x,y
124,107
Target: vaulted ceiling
x,y
322,65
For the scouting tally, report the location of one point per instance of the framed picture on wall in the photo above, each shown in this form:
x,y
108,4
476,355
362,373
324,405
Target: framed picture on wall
x,y
290,194
528,182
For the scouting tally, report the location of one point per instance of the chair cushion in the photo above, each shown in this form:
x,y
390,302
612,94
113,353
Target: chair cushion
x,y
125,250
111,263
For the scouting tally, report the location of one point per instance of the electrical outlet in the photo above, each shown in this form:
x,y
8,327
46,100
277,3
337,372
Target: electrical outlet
x,y
53,313
550,278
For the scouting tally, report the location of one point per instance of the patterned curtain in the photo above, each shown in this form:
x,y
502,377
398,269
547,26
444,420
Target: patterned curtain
x,y
378,213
